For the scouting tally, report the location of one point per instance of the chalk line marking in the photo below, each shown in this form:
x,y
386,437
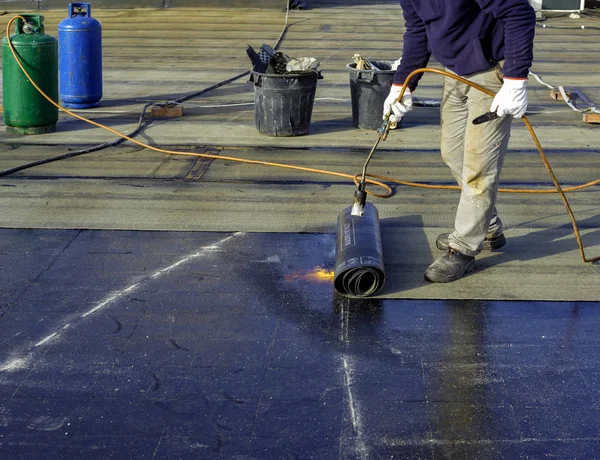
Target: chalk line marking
x,y
21,360
15,364
359,449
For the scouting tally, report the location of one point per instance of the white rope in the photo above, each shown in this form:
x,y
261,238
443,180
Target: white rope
x,y
591,109
567,99
540,80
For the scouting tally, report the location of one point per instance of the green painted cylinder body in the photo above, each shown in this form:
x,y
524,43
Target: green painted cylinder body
x,y
26,111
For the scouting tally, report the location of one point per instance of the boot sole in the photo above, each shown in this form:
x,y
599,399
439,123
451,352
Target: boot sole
x,y
469,268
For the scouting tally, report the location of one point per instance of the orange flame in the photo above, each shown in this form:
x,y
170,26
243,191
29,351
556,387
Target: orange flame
x,y
316,274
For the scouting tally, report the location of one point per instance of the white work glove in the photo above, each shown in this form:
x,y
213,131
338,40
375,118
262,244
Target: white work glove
x,y
399,109
511,99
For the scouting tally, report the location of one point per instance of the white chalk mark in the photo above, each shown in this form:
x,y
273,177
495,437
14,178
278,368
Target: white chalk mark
x,y
15,364
47,423
347,381
197,445
3,417
401,442
344,321
46,339
202,252
361,450
21,362
269,260
110,299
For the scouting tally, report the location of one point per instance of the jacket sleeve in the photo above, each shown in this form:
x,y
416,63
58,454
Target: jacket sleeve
x,y
518,18
415,47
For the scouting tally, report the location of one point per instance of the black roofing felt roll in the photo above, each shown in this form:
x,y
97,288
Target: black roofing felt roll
x,y
359,269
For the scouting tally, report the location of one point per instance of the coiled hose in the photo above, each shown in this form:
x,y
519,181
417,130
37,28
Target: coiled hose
x,y
371,177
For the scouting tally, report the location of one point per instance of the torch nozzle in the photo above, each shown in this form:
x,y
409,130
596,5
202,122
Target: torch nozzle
x,y
360,198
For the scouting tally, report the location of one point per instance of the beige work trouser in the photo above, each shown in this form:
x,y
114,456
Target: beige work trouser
x,y
475,155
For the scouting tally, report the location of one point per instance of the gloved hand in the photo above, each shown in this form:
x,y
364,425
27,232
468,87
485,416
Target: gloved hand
x,y
511,99
399,109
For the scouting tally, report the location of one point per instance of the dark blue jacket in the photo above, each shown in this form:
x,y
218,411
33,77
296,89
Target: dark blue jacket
x,y
467,36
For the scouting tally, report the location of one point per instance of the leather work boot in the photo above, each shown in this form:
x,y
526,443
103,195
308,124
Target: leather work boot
x,y
450,267
495,242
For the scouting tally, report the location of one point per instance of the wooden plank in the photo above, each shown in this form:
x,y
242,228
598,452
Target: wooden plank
x,y
593,118
557,96
167,111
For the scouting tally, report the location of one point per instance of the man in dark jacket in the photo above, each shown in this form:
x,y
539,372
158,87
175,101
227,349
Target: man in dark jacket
x,y
489,42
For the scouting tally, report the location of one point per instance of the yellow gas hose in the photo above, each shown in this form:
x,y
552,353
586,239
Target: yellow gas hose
x,y
355,177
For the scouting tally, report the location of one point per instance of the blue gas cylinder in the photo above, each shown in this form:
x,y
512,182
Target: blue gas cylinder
x,y
80,58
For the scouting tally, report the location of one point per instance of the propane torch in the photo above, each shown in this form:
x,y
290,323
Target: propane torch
x,y
359,270
360,195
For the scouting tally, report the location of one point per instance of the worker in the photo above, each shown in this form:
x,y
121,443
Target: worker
x,y
488,42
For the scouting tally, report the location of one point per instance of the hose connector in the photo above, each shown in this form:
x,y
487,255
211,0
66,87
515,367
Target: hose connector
x,y
384,129
360,199
28,28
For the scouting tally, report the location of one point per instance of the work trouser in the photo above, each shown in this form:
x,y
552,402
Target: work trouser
x,y
475,155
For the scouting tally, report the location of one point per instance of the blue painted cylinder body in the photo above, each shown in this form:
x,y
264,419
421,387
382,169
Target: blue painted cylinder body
x,y
80,58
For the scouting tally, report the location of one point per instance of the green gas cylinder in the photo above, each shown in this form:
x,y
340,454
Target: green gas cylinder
x,y
26,111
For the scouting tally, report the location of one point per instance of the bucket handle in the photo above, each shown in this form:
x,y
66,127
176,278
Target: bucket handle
x,y
366,75
257,79
80,6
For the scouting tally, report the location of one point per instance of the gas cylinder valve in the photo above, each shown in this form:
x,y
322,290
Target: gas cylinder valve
x,y
29,28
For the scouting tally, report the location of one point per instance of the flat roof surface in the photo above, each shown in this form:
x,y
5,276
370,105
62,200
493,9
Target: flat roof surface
x,y
164,306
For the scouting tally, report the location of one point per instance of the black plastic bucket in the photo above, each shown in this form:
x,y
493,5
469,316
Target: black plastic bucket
x,y
283,104
369,89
